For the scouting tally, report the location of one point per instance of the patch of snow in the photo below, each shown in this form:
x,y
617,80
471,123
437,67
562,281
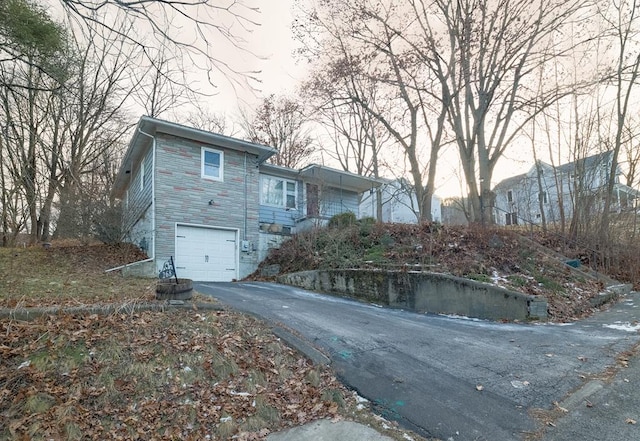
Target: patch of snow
x,y
239,394
24,364
624,326
461,317
186,369
519,384
225,419
407,437
495,278
386,426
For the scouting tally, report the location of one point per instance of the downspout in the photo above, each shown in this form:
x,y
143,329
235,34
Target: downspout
x,y
246,207
153,192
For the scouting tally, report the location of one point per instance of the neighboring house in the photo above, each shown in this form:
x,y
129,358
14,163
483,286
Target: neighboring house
x,y
547,193
213,204
399,203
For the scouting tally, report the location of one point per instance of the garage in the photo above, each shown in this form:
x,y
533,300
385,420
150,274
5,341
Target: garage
x,y
206,254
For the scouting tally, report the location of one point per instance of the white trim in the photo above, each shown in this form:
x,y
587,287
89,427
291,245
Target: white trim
x,y
284,192
209,227
203,150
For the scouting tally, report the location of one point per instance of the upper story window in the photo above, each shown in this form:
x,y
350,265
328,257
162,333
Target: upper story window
x,y
278,192
510,196
212,164
542,197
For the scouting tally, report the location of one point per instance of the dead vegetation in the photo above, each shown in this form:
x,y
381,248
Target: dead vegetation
x,y
490,255
69,276
180,375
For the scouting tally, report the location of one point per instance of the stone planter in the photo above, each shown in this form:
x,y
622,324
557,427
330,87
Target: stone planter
x,y
168,289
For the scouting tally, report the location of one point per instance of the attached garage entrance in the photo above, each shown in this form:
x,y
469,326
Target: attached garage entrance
x,y
206,254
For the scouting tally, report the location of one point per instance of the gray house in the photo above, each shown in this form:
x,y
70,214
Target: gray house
x,y
545,193
213,204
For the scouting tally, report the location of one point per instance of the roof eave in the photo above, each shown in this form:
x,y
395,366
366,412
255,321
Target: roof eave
x,y
149,127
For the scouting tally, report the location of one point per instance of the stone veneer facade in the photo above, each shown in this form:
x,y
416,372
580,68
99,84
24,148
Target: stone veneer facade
x,y
182,196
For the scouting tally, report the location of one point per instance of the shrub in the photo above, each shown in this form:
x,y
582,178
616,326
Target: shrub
x,y
342,220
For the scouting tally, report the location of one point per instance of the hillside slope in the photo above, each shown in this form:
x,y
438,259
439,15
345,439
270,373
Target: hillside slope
x,y
490,255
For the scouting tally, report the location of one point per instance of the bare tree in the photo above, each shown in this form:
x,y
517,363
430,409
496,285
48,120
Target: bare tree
x,y
484,53
195,29
364,42
356,136
623,18
203,119
631,151
92,116
161,87
57,128
280,122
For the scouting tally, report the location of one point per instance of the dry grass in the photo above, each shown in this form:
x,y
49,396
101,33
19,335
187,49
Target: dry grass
x,y
181,374
68,276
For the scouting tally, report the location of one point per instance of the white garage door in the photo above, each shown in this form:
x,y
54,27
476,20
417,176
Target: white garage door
x,y
206,254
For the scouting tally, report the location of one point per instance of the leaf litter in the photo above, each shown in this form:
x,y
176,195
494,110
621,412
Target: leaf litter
x,y
156,375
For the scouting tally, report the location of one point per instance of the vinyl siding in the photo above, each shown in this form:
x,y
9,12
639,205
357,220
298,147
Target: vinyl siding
x,y
137,215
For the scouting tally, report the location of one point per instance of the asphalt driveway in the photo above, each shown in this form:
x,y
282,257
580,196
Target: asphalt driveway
x,y
457,378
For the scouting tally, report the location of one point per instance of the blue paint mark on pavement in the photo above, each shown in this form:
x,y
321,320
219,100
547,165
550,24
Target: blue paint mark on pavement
x,y
345,354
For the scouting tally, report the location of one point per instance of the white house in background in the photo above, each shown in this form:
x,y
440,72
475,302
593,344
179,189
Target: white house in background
x,y
399,203
537,194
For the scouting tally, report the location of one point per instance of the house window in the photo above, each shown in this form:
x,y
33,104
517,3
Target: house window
x,y
511,218
278,192
510,196
212,164
542,197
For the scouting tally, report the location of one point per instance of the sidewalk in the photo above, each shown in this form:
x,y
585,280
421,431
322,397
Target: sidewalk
x,y
326,430
607,408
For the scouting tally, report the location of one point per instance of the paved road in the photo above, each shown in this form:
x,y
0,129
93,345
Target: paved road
x,y
425,370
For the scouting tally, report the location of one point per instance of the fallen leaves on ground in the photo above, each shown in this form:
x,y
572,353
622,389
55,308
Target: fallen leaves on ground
x,y
151,375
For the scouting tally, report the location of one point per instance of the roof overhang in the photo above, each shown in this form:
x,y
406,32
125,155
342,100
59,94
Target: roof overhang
x,y
148,128
337,178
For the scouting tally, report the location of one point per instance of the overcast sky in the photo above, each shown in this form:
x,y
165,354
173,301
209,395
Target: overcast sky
x,y
273,45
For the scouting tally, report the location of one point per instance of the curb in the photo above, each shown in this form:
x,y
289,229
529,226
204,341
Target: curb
x,y
27,314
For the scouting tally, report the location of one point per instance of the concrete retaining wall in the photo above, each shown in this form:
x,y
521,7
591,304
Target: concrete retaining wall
x,y
424,292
